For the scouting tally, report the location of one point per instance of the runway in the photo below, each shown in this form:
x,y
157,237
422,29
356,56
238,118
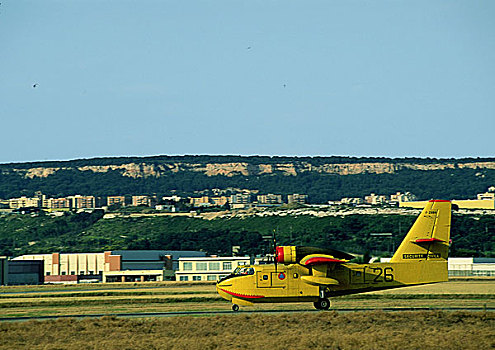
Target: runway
x,y
243,312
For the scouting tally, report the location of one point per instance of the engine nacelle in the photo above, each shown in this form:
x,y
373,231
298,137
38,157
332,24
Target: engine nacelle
x,y
286,255
293,254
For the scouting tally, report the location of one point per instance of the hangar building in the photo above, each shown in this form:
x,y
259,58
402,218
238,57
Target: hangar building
x,y
14,272
110,266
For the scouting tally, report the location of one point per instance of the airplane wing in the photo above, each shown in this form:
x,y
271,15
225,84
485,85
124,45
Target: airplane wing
x,y
304,251
318,259
296,254
321,259
320,264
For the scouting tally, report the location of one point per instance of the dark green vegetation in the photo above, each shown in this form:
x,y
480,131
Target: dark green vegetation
x,y
455,183
255,160
84,232
314,330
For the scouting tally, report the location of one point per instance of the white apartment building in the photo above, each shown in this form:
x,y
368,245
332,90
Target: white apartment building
x,y
471,266
402,197
24,202
208,268
354,200
269,198
486,196
375,199
82,202
297,198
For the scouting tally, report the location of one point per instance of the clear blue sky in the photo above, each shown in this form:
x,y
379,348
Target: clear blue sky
x,y
353,78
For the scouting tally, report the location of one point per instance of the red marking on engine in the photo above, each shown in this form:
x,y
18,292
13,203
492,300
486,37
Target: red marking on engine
x,y
280,254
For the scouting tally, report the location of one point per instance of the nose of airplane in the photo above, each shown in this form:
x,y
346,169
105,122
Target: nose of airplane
x,y
221,290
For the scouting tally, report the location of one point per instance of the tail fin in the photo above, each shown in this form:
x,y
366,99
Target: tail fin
x,y
428,239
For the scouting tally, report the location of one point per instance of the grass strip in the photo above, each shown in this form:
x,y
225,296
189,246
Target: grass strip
x,y
345,297
317,330
85,302
415,296
98,294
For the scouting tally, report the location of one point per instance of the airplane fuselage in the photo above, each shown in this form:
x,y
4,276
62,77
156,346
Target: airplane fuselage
x,y
315,274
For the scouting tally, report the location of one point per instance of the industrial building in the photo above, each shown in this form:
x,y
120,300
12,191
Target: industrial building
x,y
110,266
471,267
157,265
208,268
20,272
145,265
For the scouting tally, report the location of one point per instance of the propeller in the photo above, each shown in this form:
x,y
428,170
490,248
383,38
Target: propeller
x,y
275,255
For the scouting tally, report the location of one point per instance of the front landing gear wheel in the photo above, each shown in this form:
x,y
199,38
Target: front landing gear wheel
x,y
235,307
322,304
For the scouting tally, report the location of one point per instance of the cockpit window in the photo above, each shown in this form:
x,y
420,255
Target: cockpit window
x,y
239,271
244,271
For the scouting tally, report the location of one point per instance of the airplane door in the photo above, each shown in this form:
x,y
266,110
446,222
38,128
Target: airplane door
x,y
267,279
279,279
263,279
356,276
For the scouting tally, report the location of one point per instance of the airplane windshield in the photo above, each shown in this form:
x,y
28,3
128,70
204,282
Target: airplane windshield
x,y
239,271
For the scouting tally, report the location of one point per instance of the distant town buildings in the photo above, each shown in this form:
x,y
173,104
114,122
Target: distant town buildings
x,y
297,198
23,202
116,200
269,198
486,196
241,200
375,199
197,202
147,201
352,201
170,199
57,203
82,202
219,201
402,197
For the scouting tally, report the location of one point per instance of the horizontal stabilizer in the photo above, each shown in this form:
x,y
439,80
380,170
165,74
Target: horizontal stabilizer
x,y
428,240
319,281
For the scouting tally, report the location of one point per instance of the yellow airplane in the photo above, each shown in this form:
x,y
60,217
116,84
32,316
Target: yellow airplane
x,y
307,274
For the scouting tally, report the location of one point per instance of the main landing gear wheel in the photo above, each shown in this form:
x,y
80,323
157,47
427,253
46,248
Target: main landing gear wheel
x,y
235,307
322,304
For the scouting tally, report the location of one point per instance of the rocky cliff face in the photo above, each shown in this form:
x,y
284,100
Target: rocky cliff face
x,y
140,170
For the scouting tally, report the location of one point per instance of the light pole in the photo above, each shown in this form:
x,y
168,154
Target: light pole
x,y
389,235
